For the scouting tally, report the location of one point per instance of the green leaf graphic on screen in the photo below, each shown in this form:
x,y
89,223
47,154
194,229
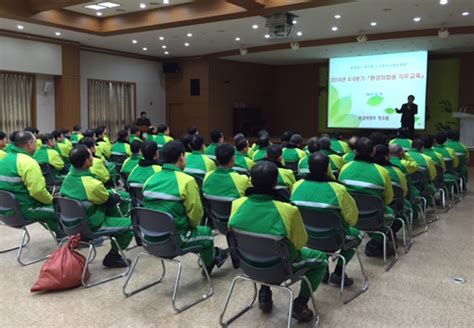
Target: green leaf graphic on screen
x,y
348,121
340,108
375,101
389,111
334,96
417,118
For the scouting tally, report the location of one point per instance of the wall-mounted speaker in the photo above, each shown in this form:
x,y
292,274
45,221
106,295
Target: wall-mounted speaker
x,y
169,68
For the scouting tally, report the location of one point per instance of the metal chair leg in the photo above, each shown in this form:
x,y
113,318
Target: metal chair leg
x,y
290,306
316,312
227,300
20,250
407,242
389,265
426,228
17,247
132,270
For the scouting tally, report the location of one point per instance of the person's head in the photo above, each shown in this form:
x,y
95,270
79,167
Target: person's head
x,y
428,140
89,143
313,145
81,157
264,175
127,127
150,150
48,140
274,153
441,138
89,133
296,140
173,153
418,144
225,155
378,138
135,131
13,136
364,149
381,156
242,145
318,166
33,130
352,142
26,141
217,136
402,133
262,132
163,128
3,140
263,140
453,135
58,135
143,114
238,137
186,140
325,143
193,130
396,151
152,130
286,136
411,99
104,128
123,136
135,147
197,143
99,132
76,128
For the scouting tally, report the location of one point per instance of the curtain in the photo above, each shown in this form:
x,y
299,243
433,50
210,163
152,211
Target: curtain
x,y
111,104
16,95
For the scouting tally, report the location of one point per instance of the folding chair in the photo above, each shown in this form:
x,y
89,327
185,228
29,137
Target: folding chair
x,y
159,237
52,184
418,180
218,209
118,160
265,260
136,194
326,234
10,216
398,207
455,189
441,188
73,218
372,219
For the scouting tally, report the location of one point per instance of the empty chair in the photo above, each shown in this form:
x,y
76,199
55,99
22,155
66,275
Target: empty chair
x,y
73,219
159,237
218,209
265,260
10,216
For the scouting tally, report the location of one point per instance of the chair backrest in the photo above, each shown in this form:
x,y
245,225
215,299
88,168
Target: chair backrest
x,y
136,194
118,160
292,166
371,211
49,175
324,227
219,208
264,258
439,176
398,199
73,218
449,164
10,213
199,180
241,170
418,180
157,232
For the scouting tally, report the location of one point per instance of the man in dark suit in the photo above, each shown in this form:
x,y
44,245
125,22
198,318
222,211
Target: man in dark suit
x,y
143,121
408,111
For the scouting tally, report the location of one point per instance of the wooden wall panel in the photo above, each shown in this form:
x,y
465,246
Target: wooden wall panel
x,y
466,96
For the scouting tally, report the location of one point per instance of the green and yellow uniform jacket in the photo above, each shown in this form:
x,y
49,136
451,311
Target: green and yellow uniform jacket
x,y
335,161
64,148
2,154
211,150
425,164
150,137
225,184
99,170
134,138
242,162
460,149
260,154
177,193
398,178
47,155
121,148
252,150
130,163
367,178
292,155
349,157
286,178
76,137
161,139
39,143
261,214
8,147
402,142
21,175
143,172
103,149
448,154
199,164
303,167
406,164
437,158
340,147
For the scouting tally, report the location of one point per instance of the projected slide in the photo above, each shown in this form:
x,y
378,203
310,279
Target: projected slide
x,y
365,91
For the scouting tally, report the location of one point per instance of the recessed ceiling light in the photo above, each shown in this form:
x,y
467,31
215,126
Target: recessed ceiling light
x,y
337,16
254,26
189,35
294,22
95,7
99,13
163,46
58,33
186,44
466,13
267,36
334,28
167,53
20,27
299,33
145,48
109,4
134,41
142,5
373,24
166,2
161,38
237,39
443,2
417,19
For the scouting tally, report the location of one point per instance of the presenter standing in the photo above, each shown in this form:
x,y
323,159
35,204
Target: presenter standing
x,y
408,111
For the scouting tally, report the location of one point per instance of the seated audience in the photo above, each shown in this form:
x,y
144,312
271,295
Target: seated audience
x,y
285,138
292,153
3,144
217,138
448,154
163,135
197,163
461,151
147,166
339,146
336,162
312,147
135,135
131,162
47,154
402,139
260,152
151,133
62,146
286,177
76,135
98,167
122,145
104,149
349,157
243,164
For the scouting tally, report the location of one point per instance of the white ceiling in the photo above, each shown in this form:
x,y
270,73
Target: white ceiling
x,y
126,6
315,23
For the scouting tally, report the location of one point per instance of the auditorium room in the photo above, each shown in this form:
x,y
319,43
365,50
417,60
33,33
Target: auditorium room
x,y
237,163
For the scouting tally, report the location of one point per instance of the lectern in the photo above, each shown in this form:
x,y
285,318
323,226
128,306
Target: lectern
x,y
467,128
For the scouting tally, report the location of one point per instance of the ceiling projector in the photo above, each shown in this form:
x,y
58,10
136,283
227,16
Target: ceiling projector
x,y
280,25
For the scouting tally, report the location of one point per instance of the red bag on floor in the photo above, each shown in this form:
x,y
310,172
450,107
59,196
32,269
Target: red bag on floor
x,y
63,269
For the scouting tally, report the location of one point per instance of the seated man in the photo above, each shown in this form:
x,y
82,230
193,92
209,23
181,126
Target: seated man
x,y
104,149
402,160
318,192
98,167
336,162
224,182
259,213
3,144
197,163
437,158
173,191
131,162
285,138
100,204
449,155
402,139
21,175
147,166
349,157
255,145
292,152
217,137
378,138
62,146
425,164
35,132
243,164
364,177
122,145
461,151
76,135
339,146
135,135
163,135
286,177
47,154
312,147
260,153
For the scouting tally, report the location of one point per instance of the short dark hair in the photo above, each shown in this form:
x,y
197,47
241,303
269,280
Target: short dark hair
x,y
325,143
216,135
45,138
135,147
296,140
263,140
193,130
162,128
274,152
238,136
441,137
13,136
313,145
79,155
149,149
99,131
151,130
411,96
171,151
57,134
224,153
88,142
142,113
127,127
3,135
453,135
428,140
286,136
89,133
318,166
241,144
197,142
381,151
134,129
364,147
264,175
76,128
32,130
23,138
186,140
378,138
122,135
418,144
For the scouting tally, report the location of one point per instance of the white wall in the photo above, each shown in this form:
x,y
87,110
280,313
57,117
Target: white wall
x,y
45,110
148,76
19,55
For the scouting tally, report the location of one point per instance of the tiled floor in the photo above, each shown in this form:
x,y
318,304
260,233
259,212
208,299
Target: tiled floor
x,y
417,292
